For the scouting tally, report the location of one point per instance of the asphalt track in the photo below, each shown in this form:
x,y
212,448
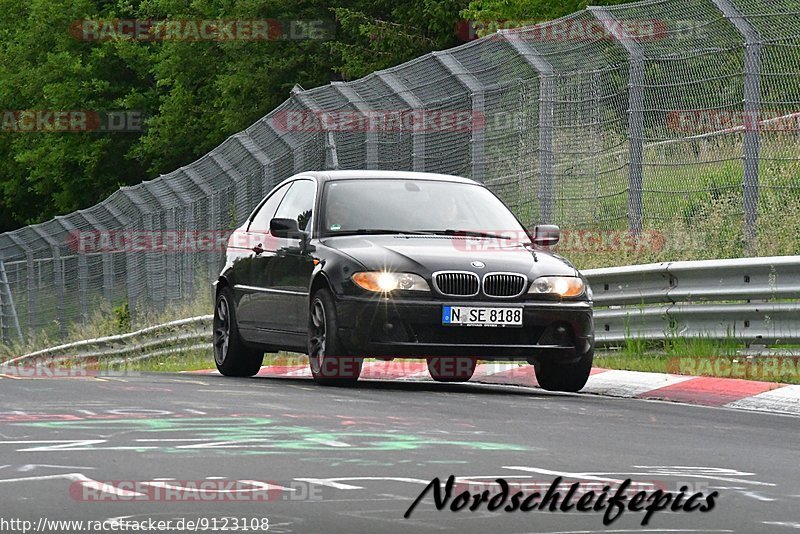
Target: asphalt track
x,y
353,460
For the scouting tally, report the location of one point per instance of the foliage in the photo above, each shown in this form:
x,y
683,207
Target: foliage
x,y
193,93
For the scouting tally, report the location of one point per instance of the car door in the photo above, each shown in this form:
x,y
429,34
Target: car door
x,y
284,271
245,270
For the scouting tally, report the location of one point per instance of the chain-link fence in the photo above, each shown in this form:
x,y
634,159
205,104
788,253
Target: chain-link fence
x,y
673,116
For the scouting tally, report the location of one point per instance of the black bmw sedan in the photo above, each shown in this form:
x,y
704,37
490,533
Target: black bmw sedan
x,y
343,265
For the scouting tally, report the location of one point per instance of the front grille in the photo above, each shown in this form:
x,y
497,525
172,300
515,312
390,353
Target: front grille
x,y
457,283
504,284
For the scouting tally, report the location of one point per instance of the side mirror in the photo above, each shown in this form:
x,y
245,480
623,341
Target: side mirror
x,y
286,228
546,235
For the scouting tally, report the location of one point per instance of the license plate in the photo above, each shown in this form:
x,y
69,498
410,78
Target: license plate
x,y
481,316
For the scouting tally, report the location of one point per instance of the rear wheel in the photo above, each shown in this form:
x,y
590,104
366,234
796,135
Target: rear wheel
x,y
451,368
554,376
329,362
232,357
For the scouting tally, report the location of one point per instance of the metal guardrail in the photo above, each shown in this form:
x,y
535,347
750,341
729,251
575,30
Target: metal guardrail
x,y
173,337
750,300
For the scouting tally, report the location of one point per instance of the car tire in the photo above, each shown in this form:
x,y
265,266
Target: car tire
x,y
231,355
330,363
571,377
451,368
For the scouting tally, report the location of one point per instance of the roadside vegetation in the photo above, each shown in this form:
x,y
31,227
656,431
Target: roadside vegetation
x,y
193,95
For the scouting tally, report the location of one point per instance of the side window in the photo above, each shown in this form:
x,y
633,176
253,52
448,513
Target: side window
x,y
298,204
261,220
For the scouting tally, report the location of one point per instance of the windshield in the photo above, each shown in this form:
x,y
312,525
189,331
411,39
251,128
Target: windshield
x,y
414,206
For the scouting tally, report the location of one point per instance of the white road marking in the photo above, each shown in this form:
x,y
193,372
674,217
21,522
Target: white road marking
x,y
335,482
756,496
31,467
580,476
64,444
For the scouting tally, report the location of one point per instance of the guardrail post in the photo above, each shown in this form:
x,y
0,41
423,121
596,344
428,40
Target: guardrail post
x,y
475,87
371,136
752,112
635,112
414,104
545,71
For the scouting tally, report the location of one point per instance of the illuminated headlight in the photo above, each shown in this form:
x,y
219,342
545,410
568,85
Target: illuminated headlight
x,y
385,282
564,286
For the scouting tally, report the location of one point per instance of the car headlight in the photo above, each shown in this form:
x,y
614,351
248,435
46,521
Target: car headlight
x,y
385,282
564,286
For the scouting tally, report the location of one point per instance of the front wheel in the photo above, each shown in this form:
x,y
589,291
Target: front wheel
x,y
329,362
554,376
231,355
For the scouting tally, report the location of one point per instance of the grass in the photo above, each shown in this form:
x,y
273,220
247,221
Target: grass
x,y
198,360
701,357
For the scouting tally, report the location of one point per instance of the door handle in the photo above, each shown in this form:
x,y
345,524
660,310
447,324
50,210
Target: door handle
x,y
258,250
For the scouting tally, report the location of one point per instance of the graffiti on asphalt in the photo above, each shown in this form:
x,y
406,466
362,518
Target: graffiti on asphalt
x,y
240,435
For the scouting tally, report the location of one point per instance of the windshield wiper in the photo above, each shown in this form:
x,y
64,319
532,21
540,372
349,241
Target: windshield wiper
x,y
467,233
378,231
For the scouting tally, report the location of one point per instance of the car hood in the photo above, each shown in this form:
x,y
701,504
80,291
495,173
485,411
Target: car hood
x,y
427,254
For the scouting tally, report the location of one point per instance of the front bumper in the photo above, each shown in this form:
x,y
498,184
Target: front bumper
x,y
385,327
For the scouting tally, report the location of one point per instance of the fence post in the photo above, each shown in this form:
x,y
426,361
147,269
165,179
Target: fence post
x,y
7,308
475,87
208,193
545,71
752,112
293,145
267,172
308,102
371,136
414,104
618,32
58,277
30,269
83,271
125,222
106,257
2,305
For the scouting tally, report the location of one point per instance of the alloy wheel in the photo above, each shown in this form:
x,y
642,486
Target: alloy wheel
x,y
316,352
222,331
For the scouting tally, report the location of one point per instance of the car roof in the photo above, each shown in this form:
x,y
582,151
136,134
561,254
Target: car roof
x,y
324,176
